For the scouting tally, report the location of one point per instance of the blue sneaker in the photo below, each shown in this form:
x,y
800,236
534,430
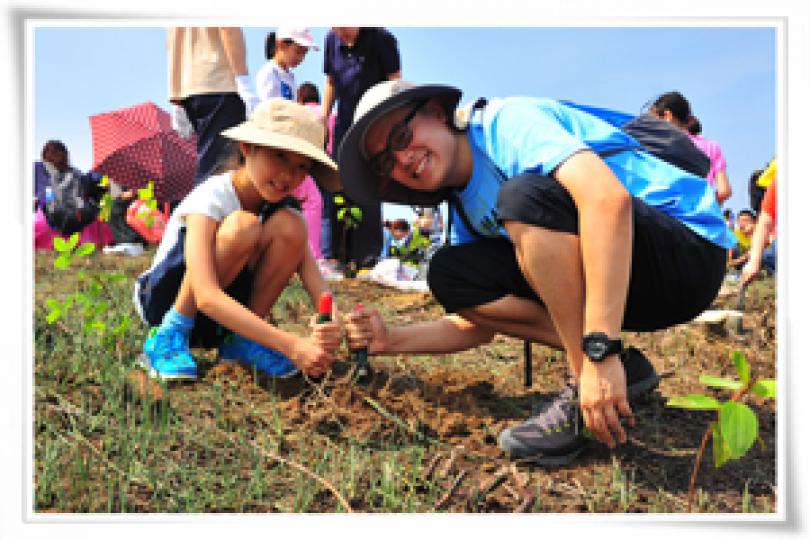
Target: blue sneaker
x,y
272,363
166,355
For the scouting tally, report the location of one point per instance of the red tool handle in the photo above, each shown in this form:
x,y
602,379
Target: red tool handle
x,y
325,307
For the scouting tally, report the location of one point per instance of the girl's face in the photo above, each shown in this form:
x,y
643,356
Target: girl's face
x,y
428,161
274,172
291,54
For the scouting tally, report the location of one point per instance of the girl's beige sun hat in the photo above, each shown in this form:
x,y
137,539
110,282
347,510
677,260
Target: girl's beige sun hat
x,y
281,123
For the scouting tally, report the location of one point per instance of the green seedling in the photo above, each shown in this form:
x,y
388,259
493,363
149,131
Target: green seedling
x,y
106,202
94,298
147,195
350,218
735,427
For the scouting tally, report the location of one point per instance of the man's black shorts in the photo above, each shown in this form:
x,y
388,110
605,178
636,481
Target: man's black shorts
x,y
675,274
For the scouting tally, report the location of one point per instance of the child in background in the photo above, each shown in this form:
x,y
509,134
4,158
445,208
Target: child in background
x,y
284,49
231,247
738,255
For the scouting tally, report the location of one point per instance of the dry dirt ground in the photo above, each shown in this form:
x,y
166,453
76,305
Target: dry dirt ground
x,y
459,403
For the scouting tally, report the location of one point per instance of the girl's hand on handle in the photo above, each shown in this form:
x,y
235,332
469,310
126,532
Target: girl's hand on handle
x,y
366,329
327,335
311,358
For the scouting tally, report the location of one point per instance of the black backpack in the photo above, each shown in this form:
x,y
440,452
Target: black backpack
x,y
73,203
667,142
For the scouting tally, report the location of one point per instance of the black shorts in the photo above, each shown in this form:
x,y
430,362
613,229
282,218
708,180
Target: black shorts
x,y
158,290
675,274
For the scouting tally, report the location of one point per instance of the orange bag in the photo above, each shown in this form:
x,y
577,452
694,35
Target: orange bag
x,y
147,222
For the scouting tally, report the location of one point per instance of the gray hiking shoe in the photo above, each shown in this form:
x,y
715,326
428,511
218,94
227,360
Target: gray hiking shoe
x,y
554,435
639,372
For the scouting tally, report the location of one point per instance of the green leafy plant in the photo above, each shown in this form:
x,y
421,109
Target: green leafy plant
x,y
92,301
735,427
350,218
147,195
106,202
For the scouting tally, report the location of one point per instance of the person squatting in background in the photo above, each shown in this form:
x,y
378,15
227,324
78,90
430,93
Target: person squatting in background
x,y
231,247
580,246
675,109
55,167
738,255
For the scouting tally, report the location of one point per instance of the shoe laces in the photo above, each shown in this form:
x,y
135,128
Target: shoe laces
x,y
173,343
560,412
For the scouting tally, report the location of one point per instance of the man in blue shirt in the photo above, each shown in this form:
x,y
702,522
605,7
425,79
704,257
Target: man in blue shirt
x,y
567,232
355,59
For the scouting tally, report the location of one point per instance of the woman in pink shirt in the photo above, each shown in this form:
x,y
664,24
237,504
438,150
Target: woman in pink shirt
x,y
675,109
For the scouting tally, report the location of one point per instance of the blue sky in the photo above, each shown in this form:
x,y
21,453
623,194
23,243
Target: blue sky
x,y
729,74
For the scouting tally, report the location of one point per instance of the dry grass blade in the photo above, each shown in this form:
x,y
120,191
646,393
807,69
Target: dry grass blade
x,y
451,490
431,467
496,480
328,485
448,465
398,421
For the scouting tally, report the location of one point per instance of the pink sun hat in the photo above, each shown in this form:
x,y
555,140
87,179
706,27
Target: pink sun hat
x,y
300,36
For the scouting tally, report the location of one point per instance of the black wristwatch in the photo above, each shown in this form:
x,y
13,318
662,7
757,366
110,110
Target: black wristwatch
x,y
597,346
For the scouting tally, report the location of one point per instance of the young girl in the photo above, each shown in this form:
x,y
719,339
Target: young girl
x,y
284,49
230,248
573,232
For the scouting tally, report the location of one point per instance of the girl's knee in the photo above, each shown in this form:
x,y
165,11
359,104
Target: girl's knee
x,y
240,230
287,226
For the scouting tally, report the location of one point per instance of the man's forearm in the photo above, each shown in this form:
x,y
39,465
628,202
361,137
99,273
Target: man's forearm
x,y
446,335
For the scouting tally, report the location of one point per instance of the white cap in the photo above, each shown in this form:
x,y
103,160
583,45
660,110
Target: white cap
x,y
300,36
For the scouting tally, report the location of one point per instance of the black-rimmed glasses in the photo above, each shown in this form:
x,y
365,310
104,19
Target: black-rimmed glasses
x,y
400,136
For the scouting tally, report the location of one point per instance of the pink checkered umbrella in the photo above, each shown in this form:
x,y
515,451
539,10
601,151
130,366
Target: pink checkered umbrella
x,y
137,144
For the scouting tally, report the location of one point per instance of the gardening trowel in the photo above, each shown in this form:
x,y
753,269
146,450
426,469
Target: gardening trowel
x,y
362,369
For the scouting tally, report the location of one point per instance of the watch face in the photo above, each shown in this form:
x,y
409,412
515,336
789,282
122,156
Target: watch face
x,y
597,349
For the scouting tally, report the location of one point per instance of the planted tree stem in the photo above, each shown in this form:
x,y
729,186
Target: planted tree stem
x,y
696,466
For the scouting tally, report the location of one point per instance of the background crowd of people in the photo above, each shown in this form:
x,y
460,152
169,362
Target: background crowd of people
x,y
211,89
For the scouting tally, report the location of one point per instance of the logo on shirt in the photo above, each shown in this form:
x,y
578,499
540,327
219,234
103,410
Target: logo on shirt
x,y
286,91
489,224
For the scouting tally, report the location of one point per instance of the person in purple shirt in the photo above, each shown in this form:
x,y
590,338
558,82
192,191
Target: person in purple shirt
x,y
355,59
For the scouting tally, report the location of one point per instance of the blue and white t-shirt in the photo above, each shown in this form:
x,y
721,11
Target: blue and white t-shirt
x,y
518,135
274,81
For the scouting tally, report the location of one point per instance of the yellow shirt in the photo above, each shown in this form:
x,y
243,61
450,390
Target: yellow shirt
x,y
766,178
743,240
